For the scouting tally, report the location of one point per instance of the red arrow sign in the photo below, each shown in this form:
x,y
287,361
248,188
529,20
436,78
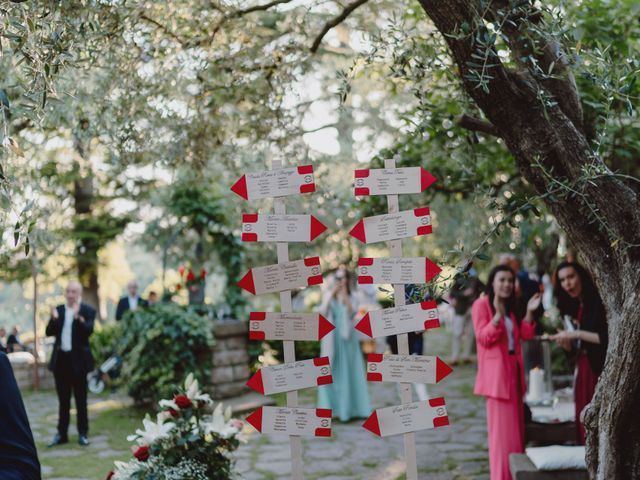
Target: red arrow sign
x,y
393,226
406,368
275,183
391,181
282,276
396,270
288,326
398,320
291,376
292,421
409,417
280,228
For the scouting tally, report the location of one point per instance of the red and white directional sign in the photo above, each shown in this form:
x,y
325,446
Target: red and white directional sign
x,y
398,320
280,228
406,368
282,276
291,376
275,183
292,421
393,226
288,326
396,270
391,181
408,417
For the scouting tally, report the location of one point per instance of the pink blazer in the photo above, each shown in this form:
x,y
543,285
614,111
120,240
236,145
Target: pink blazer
x,y
494,369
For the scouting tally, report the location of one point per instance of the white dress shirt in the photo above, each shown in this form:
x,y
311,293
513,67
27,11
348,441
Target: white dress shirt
x,y
133,303
65,337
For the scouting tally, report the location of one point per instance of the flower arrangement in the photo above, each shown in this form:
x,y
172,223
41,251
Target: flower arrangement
x,y
183,442
191,281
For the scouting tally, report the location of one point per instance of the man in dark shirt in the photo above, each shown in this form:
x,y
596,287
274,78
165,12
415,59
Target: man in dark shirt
x,y
18,456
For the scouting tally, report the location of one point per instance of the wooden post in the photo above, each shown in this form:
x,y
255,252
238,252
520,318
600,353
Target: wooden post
x,y
395,247
288,345
34,276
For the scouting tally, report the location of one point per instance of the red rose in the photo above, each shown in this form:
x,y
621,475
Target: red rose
x,y
173,413
183,401
142,453
178,286
203,274
110,475
190,276
181,270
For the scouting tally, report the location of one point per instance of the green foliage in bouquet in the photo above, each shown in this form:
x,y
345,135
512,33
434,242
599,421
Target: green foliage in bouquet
x,y
184,442
160,345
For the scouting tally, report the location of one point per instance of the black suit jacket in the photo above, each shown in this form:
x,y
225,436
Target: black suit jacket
x,y
18,456
594,319
81,357
123,306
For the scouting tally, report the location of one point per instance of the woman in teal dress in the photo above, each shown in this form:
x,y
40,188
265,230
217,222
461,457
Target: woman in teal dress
x,y
347,396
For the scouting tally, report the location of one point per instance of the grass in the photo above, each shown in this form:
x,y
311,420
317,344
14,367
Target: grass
x,y
108,418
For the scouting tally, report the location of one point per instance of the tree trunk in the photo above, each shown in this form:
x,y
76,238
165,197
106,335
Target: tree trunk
x,y
600,213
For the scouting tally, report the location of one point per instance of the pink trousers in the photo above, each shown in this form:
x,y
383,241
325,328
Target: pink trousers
x,y
505,425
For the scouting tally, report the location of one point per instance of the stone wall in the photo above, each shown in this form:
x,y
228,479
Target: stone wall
x,y
25,375
230,370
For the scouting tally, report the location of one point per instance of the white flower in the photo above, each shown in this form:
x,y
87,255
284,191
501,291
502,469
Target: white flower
x,y
152,431
192,390
222,424
169,404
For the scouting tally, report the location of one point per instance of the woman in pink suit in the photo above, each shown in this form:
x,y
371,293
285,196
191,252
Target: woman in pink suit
x,y
500,367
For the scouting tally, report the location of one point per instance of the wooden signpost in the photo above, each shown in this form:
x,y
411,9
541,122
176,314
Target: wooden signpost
x,y
410,416
285,325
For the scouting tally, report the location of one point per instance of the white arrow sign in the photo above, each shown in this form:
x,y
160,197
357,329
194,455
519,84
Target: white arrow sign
x,y
282,276
397,320
396,270
393,226
409,417
291,376
280,228
406,368
288,326
275,183
391,181
292,421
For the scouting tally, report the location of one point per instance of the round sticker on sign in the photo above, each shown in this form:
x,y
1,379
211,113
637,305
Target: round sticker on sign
x,y
308,178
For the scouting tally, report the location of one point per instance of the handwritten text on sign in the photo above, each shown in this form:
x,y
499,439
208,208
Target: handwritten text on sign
x,y
282,276
280,228
275,183
408,417
390,181
288,326
393,226
397,320
396,270
406,368
288,377
292,421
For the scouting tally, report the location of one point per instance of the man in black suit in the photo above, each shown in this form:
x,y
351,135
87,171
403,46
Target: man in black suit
x,y
71,324
18,456
131,302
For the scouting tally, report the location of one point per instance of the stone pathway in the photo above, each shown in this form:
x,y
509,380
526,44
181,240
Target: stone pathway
x,y
458,451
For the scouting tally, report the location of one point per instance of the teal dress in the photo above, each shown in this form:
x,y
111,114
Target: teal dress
x,y
347,396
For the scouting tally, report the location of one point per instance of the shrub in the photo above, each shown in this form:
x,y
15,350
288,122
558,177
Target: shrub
x,y
160,345
183,442
104,341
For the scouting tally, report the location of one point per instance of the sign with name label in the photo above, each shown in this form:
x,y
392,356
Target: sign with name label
x,y
292,421
393,226
282,276
406,368
398,320
288,377
288,326
408,417
396,270
275,183
280,228
391,181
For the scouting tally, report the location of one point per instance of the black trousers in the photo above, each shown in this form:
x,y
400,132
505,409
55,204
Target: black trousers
x,y
66,381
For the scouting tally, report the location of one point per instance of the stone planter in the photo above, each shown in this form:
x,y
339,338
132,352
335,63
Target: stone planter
x,y
230,359
25,375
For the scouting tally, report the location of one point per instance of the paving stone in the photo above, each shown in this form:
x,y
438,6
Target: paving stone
x,y
278,469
